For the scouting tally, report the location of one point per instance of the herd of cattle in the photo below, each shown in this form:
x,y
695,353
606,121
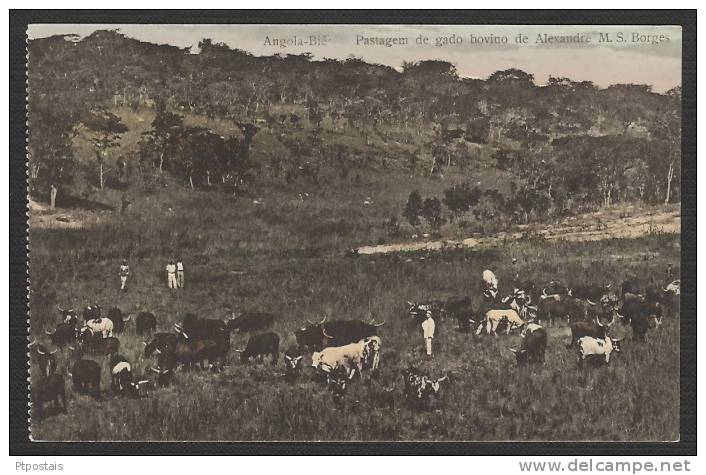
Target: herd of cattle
x,y
341,349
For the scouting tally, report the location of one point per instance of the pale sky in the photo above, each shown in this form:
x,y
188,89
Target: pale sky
x,y
648,60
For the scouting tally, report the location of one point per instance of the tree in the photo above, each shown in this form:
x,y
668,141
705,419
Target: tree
x,y
51,160
413,208
431,212
162,139
107,129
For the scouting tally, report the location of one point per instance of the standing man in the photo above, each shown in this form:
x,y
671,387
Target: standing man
x,y
124,272
428,327
171,275
180,273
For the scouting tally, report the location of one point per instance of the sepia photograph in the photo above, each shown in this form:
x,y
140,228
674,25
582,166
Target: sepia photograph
x,y
354,232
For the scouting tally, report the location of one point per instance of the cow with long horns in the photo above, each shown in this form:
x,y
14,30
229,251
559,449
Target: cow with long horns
x,y
335,333
45,358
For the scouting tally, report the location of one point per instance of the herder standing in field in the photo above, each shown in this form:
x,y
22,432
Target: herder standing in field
x,y
428,327
180,273
124,272
171,275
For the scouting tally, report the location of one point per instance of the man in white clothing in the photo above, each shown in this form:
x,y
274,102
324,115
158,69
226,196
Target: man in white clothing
x,y
124,272
180,273
428,327
171,275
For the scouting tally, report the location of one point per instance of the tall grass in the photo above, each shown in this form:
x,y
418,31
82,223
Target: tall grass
x,y
287,257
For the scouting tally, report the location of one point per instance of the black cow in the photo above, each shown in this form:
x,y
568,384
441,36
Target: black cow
x,y
418,310
260,345
637,306
292,365
594,293
337,382
191,353
335,333
162,342
593,329
164,376
63,335
45,358
115,315
95,343
196,328
86,376
565,306
250,321
92,312
68,316
49,390
460,309
629,287
532,349
555,287
145,322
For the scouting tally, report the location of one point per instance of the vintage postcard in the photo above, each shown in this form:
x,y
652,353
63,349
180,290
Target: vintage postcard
x,y
354,232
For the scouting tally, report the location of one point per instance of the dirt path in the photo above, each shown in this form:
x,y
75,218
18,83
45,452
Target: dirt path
x,y
626,222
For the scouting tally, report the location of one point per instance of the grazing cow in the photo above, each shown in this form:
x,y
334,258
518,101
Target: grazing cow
x,y
520,301
292,366
69,316
494,317
49,390
207,329
637,307
122,380
162,342
45,358
594,293
63,335
103,326
532,348
260,345
92,312
86,376
490,285
250,321
164,376
420,388
190,353
589,346
639,324
335,333
629,287
354,356
145,323
115,315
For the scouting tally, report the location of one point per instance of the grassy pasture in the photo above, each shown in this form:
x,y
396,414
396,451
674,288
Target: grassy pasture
x,y
286,256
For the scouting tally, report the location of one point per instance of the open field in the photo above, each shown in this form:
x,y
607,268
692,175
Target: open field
x,y
287,256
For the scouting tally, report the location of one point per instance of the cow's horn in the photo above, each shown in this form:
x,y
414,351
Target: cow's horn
x,y
240,351
40,352
665,289
612,320
32,343
52,352
128,318
528,299
598,321
155,370
322,321
591,303
544,292
310,322
49,333
513,350
411,304
144,343
323,330
158,351
378,324
446,376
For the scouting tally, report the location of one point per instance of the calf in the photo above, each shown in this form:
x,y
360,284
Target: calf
x,y
420,388
145,322
597,347
261,345
86,376
533,347
49,390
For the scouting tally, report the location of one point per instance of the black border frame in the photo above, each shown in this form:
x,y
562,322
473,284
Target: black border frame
x,y
19,426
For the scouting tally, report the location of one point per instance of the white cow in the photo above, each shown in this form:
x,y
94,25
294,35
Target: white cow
x,y
495,316
590,346
489,279
100,325
674,288
354,356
